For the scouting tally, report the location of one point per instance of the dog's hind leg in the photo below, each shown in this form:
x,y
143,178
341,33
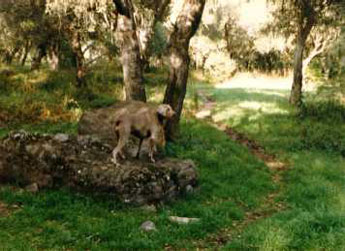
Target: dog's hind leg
x,y
122,140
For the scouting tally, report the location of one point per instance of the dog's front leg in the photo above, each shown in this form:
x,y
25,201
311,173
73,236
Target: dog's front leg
x,y
152,149
139,148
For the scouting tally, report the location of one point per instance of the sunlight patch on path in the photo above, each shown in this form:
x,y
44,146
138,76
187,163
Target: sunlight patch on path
x,y
260,82
256,81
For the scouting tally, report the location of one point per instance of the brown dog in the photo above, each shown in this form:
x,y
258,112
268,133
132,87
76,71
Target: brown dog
x,y
143,121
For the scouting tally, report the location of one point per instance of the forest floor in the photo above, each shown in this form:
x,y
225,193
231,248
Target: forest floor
x,y
271,177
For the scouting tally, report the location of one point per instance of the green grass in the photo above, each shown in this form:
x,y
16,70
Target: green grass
x,y
229,176
232,181
312,142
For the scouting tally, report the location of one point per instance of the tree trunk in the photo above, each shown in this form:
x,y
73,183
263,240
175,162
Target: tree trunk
x,y
26,52
53,57
131,62
130,52
41,53
306,23
186,25
296,90
9,55
75,41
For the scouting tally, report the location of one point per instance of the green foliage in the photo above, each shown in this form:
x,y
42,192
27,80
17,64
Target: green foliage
x,y
159,41
242,49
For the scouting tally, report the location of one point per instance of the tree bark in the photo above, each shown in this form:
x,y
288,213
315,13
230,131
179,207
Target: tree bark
x,y
75,41
41,53
9,55
130,52
185,27
53,57
296,89
306,23
26,52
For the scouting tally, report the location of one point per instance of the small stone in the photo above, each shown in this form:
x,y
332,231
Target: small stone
x,y
32,188
183,220
15,206
148,226
61,137
189,189
149,208
203,114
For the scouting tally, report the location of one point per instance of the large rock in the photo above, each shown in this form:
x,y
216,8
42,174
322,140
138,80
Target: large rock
x,y
100,122
84,162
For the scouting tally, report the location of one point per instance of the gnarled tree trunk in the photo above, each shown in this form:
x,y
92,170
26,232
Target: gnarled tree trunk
x,y
186,25
130,52
75,41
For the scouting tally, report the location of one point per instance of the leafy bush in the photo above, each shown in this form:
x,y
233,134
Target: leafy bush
x,y
159,41
242,48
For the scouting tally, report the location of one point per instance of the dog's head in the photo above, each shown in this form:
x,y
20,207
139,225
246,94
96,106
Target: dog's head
x,y
166,111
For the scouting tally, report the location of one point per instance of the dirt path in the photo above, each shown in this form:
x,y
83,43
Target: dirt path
x,y
269,206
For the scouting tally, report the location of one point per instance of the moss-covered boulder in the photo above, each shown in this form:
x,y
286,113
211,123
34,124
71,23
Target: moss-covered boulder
x,y
84,162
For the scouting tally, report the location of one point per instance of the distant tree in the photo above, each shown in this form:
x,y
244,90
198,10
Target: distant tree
x,y
300,17
184,29
26,29
133,22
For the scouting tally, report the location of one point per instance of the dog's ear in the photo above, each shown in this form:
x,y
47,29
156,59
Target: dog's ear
x,y
162,110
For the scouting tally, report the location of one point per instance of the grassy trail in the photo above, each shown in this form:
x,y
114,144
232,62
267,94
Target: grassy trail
x,y
311,191
269,205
